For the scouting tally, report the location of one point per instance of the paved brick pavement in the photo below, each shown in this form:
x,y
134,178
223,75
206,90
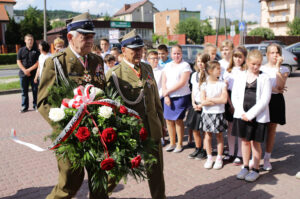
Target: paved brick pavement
x,y
26,174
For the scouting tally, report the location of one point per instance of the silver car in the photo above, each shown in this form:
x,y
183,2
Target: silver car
x,y
289,59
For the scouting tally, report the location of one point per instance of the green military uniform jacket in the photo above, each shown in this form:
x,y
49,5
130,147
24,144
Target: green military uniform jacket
x,y
130,85
74,70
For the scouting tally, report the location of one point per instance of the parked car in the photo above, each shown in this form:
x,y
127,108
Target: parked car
x,y
289,59
267,42
295,49
189,53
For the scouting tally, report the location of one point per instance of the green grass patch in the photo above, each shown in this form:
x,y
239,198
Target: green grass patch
x,y
10,77
9,66
10,86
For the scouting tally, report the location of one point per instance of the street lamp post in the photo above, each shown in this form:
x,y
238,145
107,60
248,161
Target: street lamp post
x,y
242,33
45,22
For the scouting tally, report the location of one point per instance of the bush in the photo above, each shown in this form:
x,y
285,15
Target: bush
x,y
266,33
10,58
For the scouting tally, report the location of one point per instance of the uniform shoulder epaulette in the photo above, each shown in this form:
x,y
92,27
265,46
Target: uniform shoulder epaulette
x,y
116,67
61,53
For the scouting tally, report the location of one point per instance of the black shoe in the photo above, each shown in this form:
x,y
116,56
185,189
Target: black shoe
x,y
23,110
229,158
202,155
194,154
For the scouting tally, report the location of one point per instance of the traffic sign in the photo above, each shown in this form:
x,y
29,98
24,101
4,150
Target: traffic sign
x,y
242,26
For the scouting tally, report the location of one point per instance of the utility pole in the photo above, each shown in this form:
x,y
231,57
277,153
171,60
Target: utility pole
x,y
217,31
242,34
222,2
45,22
225,19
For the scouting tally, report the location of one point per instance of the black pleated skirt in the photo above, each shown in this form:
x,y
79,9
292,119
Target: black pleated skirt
x,y
277,109
193,119
251,131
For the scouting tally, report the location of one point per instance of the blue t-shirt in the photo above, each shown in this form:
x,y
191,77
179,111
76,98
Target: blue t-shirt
x,y
162,64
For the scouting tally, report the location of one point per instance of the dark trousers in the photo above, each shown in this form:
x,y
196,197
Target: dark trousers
x,y
25,81
70,180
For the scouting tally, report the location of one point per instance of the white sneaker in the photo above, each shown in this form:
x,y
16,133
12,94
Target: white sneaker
x,y
170,148
178,150
242,174
218,164
252,176
208,164
267,165
298,175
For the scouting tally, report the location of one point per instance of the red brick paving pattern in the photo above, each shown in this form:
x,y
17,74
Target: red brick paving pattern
x,y
26,174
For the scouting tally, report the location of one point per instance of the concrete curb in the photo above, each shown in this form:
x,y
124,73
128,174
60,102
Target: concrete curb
x,y
14,91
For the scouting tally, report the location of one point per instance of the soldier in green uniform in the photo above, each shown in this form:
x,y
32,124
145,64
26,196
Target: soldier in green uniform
x,y
77,63
135,83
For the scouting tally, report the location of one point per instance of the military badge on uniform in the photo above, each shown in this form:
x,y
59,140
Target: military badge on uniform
x,y
87,77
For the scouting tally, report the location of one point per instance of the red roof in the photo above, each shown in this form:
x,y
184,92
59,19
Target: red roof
x,y
129,8
3,14
8,1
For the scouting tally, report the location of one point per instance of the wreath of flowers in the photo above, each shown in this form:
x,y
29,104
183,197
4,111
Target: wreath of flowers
x,y
98,132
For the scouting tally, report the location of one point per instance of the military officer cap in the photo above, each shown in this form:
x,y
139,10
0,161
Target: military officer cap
x,y
81,23
131,40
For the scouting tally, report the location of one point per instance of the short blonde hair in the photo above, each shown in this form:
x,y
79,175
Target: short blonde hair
x,y
256,54
58,40
227,43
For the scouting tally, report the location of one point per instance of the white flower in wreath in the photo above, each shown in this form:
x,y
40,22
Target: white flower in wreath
x,y
95,130
97,91
56,114
105,111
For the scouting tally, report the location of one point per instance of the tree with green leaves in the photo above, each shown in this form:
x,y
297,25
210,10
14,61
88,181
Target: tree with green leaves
x,y
194,29
266,33
58,24
294,27
12,33
34,23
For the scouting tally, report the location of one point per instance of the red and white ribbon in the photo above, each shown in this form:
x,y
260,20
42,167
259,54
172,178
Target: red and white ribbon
x,y
82,95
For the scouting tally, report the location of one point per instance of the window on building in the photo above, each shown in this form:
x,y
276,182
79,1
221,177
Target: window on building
x,y
168,20
272,4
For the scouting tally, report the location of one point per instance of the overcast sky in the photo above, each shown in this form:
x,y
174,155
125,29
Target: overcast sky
x,y
207,7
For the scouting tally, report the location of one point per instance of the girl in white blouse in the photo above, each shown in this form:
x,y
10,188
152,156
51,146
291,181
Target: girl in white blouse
x,y
236,66
176,93
213,99
278,75
250,97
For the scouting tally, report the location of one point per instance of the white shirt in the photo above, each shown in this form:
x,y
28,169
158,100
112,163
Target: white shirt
x,y
106,68
42,59
229,76
224,65
211,91
173,74
196,87
271,72
260,110
158,78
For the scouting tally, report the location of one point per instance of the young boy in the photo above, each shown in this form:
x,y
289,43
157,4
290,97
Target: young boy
x,y
109,60
163,55
157,71
115,52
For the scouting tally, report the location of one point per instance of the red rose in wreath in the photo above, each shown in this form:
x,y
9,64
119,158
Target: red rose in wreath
x,y
123,110
107,164
109,135
143,134
135,162
83,134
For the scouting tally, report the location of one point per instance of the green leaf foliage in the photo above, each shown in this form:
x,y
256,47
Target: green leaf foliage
x,y
294,27
194,29
266,33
